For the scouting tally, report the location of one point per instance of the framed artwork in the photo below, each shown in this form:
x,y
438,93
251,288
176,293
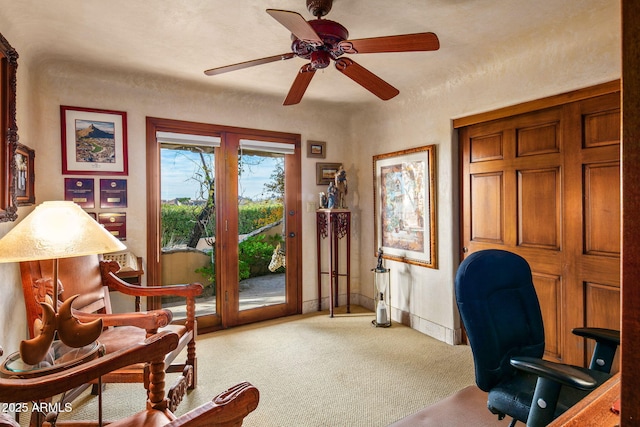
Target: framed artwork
x,y
9,134
80,191
405,206
94,142
24,177
317,149
326,172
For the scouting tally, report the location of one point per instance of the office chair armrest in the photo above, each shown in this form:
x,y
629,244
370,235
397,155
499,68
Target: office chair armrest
x,y
186,290
563,374
148,320
607,342
599,334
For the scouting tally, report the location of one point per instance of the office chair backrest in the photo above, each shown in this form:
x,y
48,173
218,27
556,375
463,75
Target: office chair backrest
x,y
500,311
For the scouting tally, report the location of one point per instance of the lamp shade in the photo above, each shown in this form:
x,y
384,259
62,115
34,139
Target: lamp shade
x,y
56,229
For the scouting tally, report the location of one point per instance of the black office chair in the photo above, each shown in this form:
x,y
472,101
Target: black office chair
x,y
501,314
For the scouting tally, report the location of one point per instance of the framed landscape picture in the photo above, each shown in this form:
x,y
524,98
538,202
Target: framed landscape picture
x,y
94,142
326,172
404,206
317,149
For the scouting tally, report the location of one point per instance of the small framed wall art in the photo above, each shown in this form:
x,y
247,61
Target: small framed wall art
x,y
25,175
317,149
94,142
326,172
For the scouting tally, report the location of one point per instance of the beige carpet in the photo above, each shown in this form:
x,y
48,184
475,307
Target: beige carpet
x,y
313,370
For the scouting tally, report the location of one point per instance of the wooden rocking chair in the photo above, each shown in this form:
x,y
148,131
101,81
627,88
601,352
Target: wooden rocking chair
x,y
227,409
92,278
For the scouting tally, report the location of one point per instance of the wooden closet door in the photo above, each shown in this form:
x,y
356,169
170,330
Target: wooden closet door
x,y
545,185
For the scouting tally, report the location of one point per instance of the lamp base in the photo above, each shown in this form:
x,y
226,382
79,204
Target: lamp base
x,y
70,331
380,325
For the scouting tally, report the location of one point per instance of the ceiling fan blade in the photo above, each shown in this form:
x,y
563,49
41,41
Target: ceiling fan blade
x,y
247,64
402,43
366,79
298,26
300,84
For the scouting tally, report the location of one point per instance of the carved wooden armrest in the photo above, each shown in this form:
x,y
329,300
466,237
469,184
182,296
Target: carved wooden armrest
x,y
228,408
188,290
148,320
7,421
29,389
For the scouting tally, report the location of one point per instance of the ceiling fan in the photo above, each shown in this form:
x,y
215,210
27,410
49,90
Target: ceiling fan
x,y
321,40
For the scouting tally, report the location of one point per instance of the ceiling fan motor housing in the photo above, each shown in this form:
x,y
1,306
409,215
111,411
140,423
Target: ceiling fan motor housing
x,y
331,34
319,8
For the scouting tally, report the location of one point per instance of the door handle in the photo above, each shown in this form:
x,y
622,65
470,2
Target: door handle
x,y
292,234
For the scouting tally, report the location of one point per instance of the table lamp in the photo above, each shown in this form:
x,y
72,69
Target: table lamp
x,y
57,229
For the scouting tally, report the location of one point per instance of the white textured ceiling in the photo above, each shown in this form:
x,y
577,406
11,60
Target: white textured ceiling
x,y
182,38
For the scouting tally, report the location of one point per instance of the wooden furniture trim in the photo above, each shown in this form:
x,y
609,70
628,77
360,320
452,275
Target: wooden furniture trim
x,y
539,104
630,337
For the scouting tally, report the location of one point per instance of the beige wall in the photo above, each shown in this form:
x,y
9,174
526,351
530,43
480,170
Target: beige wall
x,y
585,52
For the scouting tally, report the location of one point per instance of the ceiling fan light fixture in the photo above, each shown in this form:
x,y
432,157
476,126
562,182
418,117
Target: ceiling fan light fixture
x,y
320,59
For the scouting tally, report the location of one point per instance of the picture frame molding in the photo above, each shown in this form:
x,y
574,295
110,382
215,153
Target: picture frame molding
x,y
427,255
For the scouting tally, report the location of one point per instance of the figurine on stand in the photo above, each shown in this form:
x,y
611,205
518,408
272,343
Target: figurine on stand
x,y
341,184
323,200
332,196
379,267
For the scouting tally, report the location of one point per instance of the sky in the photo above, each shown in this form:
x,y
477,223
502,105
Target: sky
x,y
178,168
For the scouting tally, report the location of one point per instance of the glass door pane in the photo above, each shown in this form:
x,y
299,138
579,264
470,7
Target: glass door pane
x,y
261,229
188,219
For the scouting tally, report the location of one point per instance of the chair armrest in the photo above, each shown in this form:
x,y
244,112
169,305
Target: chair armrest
x,y
30,389
228,408
149,320
563,374
599,334
187,290
607,342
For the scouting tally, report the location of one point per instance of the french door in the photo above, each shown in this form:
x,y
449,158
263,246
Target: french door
x,y
244,234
